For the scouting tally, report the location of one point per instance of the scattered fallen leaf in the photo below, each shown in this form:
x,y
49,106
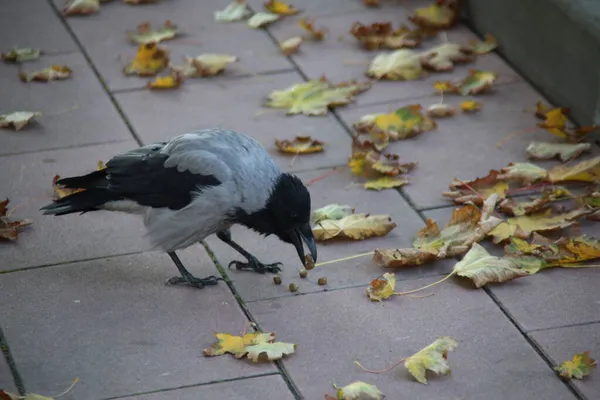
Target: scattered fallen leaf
x,y
489,44
398,258
235,11
82,7
541,109
433,358
9,230
17,55
387,164
18,119
314,97
204,65
444,86
514,207
270,351
237,345
331,211
291,45
442,57
563,151
359,391
380,35
477,190
382,288
262,19
525,173
477,82
399,65
53,73
145,34
386,182
355,226
135,2
149,60
440,110
309,27
439,15
483,268
523,226
372,3
171,81
300,145
281,8
584,171
579,367
470,106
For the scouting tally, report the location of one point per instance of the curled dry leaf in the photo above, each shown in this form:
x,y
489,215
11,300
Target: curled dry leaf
x,y
470,106
477,190
18,119
584,171
431,358
291,45
444,86
308,25
483,268
314,97
355,226
149,60
281,8
262,19
387,164
19,55
82,7
9,229
579,367
439,15
382,288
563,151
488,45
514,207
443,57
399,65
235,11
477,82
300,145
270,351
331,211
358,391
236,345
145,34
381,35
398,258
367,162
525,173
204,65
372,3
53,73
555,122
386,182
440,110
171,81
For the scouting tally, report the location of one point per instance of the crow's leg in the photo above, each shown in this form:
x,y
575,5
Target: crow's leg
x,y
253,262
188,278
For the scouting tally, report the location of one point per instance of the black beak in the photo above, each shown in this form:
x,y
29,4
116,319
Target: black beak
x,y
304,234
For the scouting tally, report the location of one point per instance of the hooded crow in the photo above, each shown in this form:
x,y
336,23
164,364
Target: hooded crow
x,y
194,185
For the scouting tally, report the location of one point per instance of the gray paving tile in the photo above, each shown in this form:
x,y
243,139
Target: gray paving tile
x,y
33,23
234,104
71,237
551,298
267,388
344,59
334,329
75,111
316,8
464,146
104,37
336,188
112,323
562,343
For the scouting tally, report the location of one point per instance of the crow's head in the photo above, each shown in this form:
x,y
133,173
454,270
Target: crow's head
x,y
286,215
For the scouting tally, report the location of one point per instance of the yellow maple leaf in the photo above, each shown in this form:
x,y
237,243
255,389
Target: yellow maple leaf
x,y
300,145
579,367
261,19
235,11
386,182
171,81
470,106
149,60
439,15
145,34
380,35
444,86
399,65
270,351
53,73
18,119
489,43
308,25
281,8
443,57
382,288
525,173
204,65
331,211
237,345
477,82
355,226
564,151
584,171
433,358
359,391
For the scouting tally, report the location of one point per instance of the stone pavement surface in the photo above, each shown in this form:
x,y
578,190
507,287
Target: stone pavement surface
x,y
80,296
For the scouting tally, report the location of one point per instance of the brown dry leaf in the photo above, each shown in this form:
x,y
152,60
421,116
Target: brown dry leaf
x,y
524,173
53,73
381,35
204,65
300,145
440,110
386,182
470,106
19,55
563,151
489,44
309,27
82,7
399,65
399,258
291,45
145,34
237,345
513,207
149,60
281,8
9,230
372,3
439,15
171,81
355,226
462,192
387,164
18,119
443,57
584,171
137,2
382,288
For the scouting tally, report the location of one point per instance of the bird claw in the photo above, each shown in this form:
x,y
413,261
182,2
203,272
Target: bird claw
x,y
193,281
256,266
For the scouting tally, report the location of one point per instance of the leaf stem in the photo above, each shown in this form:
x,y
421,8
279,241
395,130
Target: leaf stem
x,y
427,286
68,389
380,371
344,259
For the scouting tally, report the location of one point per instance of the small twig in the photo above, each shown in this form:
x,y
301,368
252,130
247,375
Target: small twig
x,y
465,184
517,133
317,179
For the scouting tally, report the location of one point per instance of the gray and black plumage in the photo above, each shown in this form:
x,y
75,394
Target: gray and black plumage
x,y
195,185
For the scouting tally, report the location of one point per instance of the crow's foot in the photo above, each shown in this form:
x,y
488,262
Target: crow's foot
x,y
256,266
193,281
